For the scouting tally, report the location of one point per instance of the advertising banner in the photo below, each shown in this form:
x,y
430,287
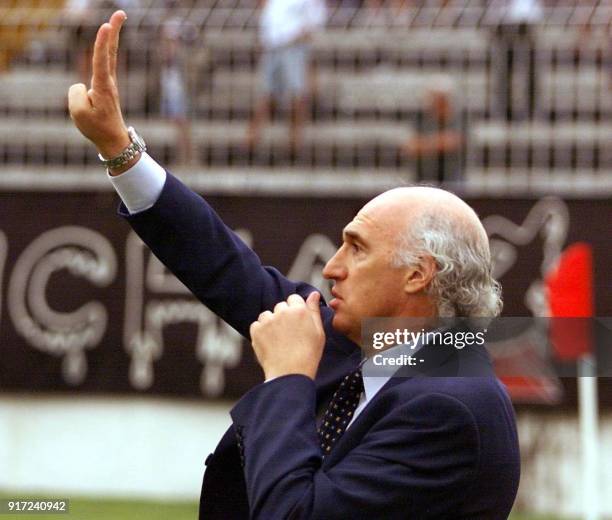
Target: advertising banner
x,y
84,305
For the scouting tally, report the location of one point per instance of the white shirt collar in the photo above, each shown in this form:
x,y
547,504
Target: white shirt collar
x,y
373,381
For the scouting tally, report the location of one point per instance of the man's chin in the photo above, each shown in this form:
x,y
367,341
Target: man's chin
x,y
338,323
343,326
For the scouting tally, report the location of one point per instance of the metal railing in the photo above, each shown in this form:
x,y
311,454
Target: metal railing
x,y
533,105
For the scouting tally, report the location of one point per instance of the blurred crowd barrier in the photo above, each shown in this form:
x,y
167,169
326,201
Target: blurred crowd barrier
x,y
529,92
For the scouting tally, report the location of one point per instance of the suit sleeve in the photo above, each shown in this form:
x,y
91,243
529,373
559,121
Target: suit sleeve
x,y
185,233
413,463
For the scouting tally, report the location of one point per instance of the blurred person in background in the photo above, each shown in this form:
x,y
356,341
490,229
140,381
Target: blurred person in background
x,y
424,444
514,58
437,147
285,32
173,84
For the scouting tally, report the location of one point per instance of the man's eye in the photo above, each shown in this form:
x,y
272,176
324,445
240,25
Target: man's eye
x,y
356,248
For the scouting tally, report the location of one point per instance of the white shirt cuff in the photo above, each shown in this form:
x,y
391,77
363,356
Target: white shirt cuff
x,y
141,185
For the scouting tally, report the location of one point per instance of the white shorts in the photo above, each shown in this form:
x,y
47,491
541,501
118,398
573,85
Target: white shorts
x,y
283,71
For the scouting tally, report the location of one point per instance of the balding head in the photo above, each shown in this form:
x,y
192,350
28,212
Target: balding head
x,y
430,222
401,205
412,252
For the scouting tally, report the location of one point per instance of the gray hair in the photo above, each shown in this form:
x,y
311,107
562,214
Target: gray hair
x,y
464,285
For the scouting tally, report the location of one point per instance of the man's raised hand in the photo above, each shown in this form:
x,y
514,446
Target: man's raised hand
x,y
96,112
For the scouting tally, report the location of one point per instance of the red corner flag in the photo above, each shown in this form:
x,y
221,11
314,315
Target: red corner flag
x,y
570,295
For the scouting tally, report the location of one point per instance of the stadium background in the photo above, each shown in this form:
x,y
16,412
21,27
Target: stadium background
x,y
116,384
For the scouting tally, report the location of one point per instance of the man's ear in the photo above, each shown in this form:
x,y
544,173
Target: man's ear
x,y
419,276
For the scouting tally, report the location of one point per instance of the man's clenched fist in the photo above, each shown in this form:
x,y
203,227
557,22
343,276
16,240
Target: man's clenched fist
x,y
290,340
96,112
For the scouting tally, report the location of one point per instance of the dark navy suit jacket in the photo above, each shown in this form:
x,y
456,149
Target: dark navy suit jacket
x,y
424,447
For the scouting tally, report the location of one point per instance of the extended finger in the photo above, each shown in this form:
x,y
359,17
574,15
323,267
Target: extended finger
x,y
78,100
116,22
100,65
295,300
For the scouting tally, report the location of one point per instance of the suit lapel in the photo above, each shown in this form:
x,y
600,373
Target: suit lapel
x,y
440,361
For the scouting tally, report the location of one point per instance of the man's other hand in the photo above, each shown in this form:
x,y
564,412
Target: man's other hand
x,y
96,112
290,340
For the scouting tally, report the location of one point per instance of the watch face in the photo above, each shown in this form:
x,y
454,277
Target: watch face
x,y
140,141
136,139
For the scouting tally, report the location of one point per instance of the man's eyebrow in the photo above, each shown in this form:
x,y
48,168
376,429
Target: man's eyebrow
x,y
353,235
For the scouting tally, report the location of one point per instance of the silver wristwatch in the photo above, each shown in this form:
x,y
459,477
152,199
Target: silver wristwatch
x,y
136,147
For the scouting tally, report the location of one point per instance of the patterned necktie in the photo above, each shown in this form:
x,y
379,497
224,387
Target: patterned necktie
x,y
340,411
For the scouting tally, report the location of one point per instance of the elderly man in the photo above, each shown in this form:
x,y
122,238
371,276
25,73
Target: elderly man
x,y
319,438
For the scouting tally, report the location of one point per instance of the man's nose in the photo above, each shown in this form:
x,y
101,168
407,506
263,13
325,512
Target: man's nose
x,y
334,269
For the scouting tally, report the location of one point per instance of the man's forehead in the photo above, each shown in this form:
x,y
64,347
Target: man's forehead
x,y
355,226
369,224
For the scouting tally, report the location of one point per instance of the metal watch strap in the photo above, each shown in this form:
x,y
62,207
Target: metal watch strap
x,y
136,147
